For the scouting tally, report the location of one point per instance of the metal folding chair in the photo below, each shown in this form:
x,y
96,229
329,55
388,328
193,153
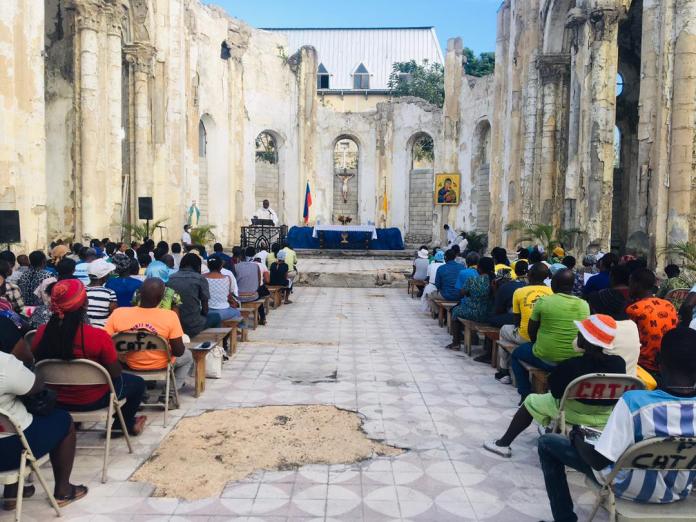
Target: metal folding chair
x,y
83,372
141,340
9,426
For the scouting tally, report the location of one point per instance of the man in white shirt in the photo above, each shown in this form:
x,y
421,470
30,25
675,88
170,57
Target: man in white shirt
x,y
451,236
186,236
266,212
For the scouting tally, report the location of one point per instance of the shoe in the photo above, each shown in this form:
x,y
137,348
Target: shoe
x,y
503,451
453,346
500,374
542,430
505,379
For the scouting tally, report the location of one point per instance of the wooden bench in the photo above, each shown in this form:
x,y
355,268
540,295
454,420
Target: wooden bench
x,y
276,296
538,377
250,312
489,332
444,311
225,335
415,285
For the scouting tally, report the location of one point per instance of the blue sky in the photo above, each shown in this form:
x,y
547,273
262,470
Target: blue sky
x,y
473,20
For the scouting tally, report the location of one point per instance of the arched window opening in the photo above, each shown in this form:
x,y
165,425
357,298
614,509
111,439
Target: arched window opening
x,y
361,78
346,160
323,77
203,170
619,84
480,172
267,168
420,189
266,150
225,51
422,153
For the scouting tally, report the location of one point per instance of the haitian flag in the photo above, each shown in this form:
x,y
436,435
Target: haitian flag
x,y
307,204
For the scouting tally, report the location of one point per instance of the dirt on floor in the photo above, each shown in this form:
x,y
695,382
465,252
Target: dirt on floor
x,y
203,453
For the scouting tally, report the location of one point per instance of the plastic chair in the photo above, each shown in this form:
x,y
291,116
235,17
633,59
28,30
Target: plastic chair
x,y
141,340
656,454
83,372
677,296
605,387
9,426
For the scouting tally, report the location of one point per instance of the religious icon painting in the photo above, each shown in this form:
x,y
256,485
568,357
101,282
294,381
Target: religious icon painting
x,y
447,188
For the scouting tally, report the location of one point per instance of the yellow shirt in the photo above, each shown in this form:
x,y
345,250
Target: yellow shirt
x,y
523,303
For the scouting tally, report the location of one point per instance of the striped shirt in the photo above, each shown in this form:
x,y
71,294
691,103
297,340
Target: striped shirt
x,y
641,415
99,300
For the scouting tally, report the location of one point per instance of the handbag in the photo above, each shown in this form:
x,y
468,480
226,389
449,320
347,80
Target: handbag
x,y
213,362
40,403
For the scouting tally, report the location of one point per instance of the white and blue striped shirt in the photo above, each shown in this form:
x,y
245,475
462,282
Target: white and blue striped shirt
x,y
641,415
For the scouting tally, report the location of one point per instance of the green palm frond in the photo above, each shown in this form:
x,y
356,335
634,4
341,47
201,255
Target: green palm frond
x,y
202,234
138,231
684,250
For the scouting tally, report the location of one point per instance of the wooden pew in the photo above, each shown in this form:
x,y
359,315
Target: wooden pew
x,y
444,309
276,296
472,326
538,377
250,311
414,286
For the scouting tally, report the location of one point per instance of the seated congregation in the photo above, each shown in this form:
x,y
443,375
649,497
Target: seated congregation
x,y
73,305
599,361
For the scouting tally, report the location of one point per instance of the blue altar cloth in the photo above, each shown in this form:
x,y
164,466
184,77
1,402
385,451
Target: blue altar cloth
x,y
387,239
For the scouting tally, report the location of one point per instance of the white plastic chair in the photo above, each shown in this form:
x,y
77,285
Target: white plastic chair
x,y
9,426
141,340
605,387
657,454
83,372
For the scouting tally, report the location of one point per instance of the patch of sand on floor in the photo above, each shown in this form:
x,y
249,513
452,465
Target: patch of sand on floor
x,y
203,453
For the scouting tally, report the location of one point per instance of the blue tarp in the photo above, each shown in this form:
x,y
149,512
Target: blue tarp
x,y
387,239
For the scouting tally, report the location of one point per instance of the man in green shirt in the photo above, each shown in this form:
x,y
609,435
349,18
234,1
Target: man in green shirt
x,y
551,330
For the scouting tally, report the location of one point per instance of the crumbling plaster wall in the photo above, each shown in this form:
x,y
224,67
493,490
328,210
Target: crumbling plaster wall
x,y
23,139
476,102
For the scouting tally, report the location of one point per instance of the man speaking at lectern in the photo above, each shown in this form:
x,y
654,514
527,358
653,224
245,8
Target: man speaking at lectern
x,y
266,212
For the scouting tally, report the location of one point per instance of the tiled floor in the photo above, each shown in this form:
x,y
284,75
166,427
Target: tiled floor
x,y
391,366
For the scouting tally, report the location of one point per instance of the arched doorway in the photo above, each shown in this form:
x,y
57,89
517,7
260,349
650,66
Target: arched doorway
x,y
480,173
268,172
346,166
203,171
626,163
420,189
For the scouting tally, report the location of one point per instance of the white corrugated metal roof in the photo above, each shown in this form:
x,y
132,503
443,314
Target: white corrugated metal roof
x,y
342,50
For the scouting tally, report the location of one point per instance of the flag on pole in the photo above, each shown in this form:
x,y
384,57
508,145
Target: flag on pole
x,y
307,204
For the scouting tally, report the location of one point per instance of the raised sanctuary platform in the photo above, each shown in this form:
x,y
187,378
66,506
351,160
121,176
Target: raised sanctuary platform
x,y
354,268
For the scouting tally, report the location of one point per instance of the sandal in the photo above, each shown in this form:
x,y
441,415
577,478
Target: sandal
x,y
76,493
137,429
11,503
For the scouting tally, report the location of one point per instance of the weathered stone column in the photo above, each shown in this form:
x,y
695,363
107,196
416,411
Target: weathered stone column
x,y
141,55
682,176
451,114
304,63
604,29
554,70
87,186
113,187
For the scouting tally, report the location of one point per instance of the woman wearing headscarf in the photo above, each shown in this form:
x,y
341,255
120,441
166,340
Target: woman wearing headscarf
x,y
123,284
57,254
68,337
171,300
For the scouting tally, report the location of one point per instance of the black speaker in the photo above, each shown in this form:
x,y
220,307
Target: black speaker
x,y
9,226
145,208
